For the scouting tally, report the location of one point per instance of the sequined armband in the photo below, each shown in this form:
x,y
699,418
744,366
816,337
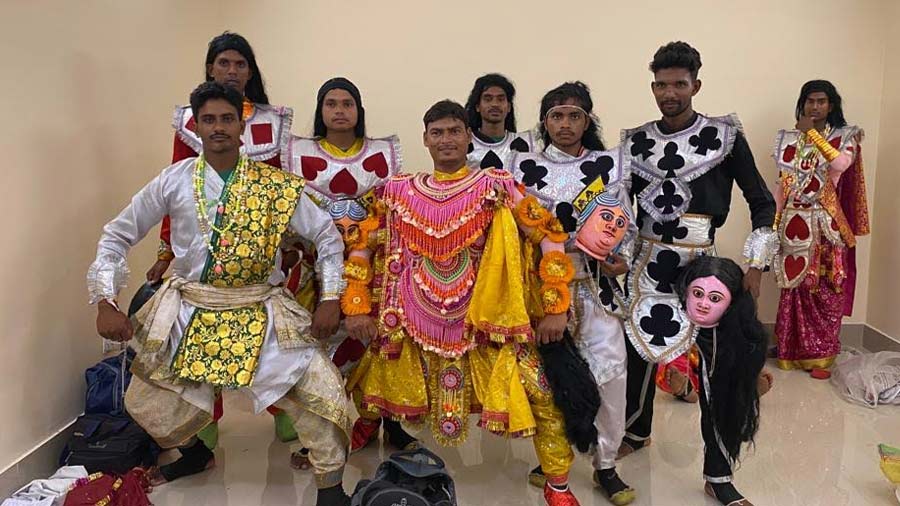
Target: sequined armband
x,y
760,247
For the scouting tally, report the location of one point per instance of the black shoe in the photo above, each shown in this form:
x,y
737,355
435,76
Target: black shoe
x,y
399,438
194,459
333,496
617,491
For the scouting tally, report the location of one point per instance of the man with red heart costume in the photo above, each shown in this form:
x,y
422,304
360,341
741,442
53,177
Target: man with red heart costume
x,y
822,208
345,173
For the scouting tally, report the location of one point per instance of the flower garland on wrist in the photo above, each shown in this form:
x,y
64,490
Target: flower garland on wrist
x,y
357,299
556,272
530,213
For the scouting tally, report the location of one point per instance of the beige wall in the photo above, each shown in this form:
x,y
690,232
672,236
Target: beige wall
x,y
756,56
883,313
87,96
93,83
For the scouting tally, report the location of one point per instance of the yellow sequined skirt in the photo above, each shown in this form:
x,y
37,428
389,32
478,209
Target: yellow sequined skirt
x,y
502,382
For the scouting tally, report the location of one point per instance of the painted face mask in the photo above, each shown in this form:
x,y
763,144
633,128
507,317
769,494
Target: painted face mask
x,y
348,216
602,226
707,300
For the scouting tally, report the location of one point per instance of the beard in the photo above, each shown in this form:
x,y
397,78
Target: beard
x,y
675,112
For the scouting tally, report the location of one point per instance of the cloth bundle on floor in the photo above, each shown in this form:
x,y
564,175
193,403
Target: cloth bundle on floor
x,y
868,379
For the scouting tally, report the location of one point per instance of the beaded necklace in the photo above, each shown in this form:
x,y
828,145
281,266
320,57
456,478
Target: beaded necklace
x,y
217,230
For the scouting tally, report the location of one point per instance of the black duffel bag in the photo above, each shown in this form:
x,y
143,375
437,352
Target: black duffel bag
x,y
412,478
109,443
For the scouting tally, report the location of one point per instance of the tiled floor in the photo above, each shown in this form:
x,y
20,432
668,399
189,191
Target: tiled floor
x,y
813,449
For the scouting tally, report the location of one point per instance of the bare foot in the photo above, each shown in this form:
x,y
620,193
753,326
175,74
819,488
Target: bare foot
x,y
677,382
764,382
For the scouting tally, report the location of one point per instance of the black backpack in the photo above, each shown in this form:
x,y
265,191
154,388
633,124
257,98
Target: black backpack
x,y
410,478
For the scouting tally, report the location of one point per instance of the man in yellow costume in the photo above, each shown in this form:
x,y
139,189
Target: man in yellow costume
x,y
453,303
223,320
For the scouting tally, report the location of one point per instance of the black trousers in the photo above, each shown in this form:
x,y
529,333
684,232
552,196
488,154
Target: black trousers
x,y
716,467
641,391
639,394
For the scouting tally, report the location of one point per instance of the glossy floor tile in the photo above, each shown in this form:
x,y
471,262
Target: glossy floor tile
x,y
813,449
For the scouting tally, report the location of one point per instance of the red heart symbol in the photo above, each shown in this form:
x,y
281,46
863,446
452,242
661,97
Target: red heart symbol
x,y
802,205
797,229
344,182
794,266
834,225
813,186
311,166
377,164
789,153
836,142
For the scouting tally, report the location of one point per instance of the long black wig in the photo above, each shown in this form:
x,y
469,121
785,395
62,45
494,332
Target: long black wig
x,y
741,353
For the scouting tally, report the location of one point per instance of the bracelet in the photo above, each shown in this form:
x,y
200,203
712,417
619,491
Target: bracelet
x,y
827,150
164,252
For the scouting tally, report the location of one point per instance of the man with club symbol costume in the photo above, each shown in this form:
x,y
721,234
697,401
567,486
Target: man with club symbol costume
x,y
566,183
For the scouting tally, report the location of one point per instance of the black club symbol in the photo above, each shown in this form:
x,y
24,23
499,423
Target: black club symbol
x,y
564,213
519,144
491,160
660,324
669,200
533,174
707,140
599,167
672,161
607,294
665,270
670,230
641,145
471,148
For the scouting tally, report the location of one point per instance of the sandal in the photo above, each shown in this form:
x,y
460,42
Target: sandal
x,y
686,393
710,491
628,447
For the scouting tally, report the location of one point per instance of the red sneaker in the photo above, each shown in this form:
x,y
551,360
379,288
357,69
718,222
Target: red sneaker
x,y
556,498
364,432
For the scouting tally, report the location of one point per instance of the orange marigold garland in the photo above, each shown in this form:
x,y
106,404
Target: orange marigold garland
x,y
556,267
357,299
555,298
